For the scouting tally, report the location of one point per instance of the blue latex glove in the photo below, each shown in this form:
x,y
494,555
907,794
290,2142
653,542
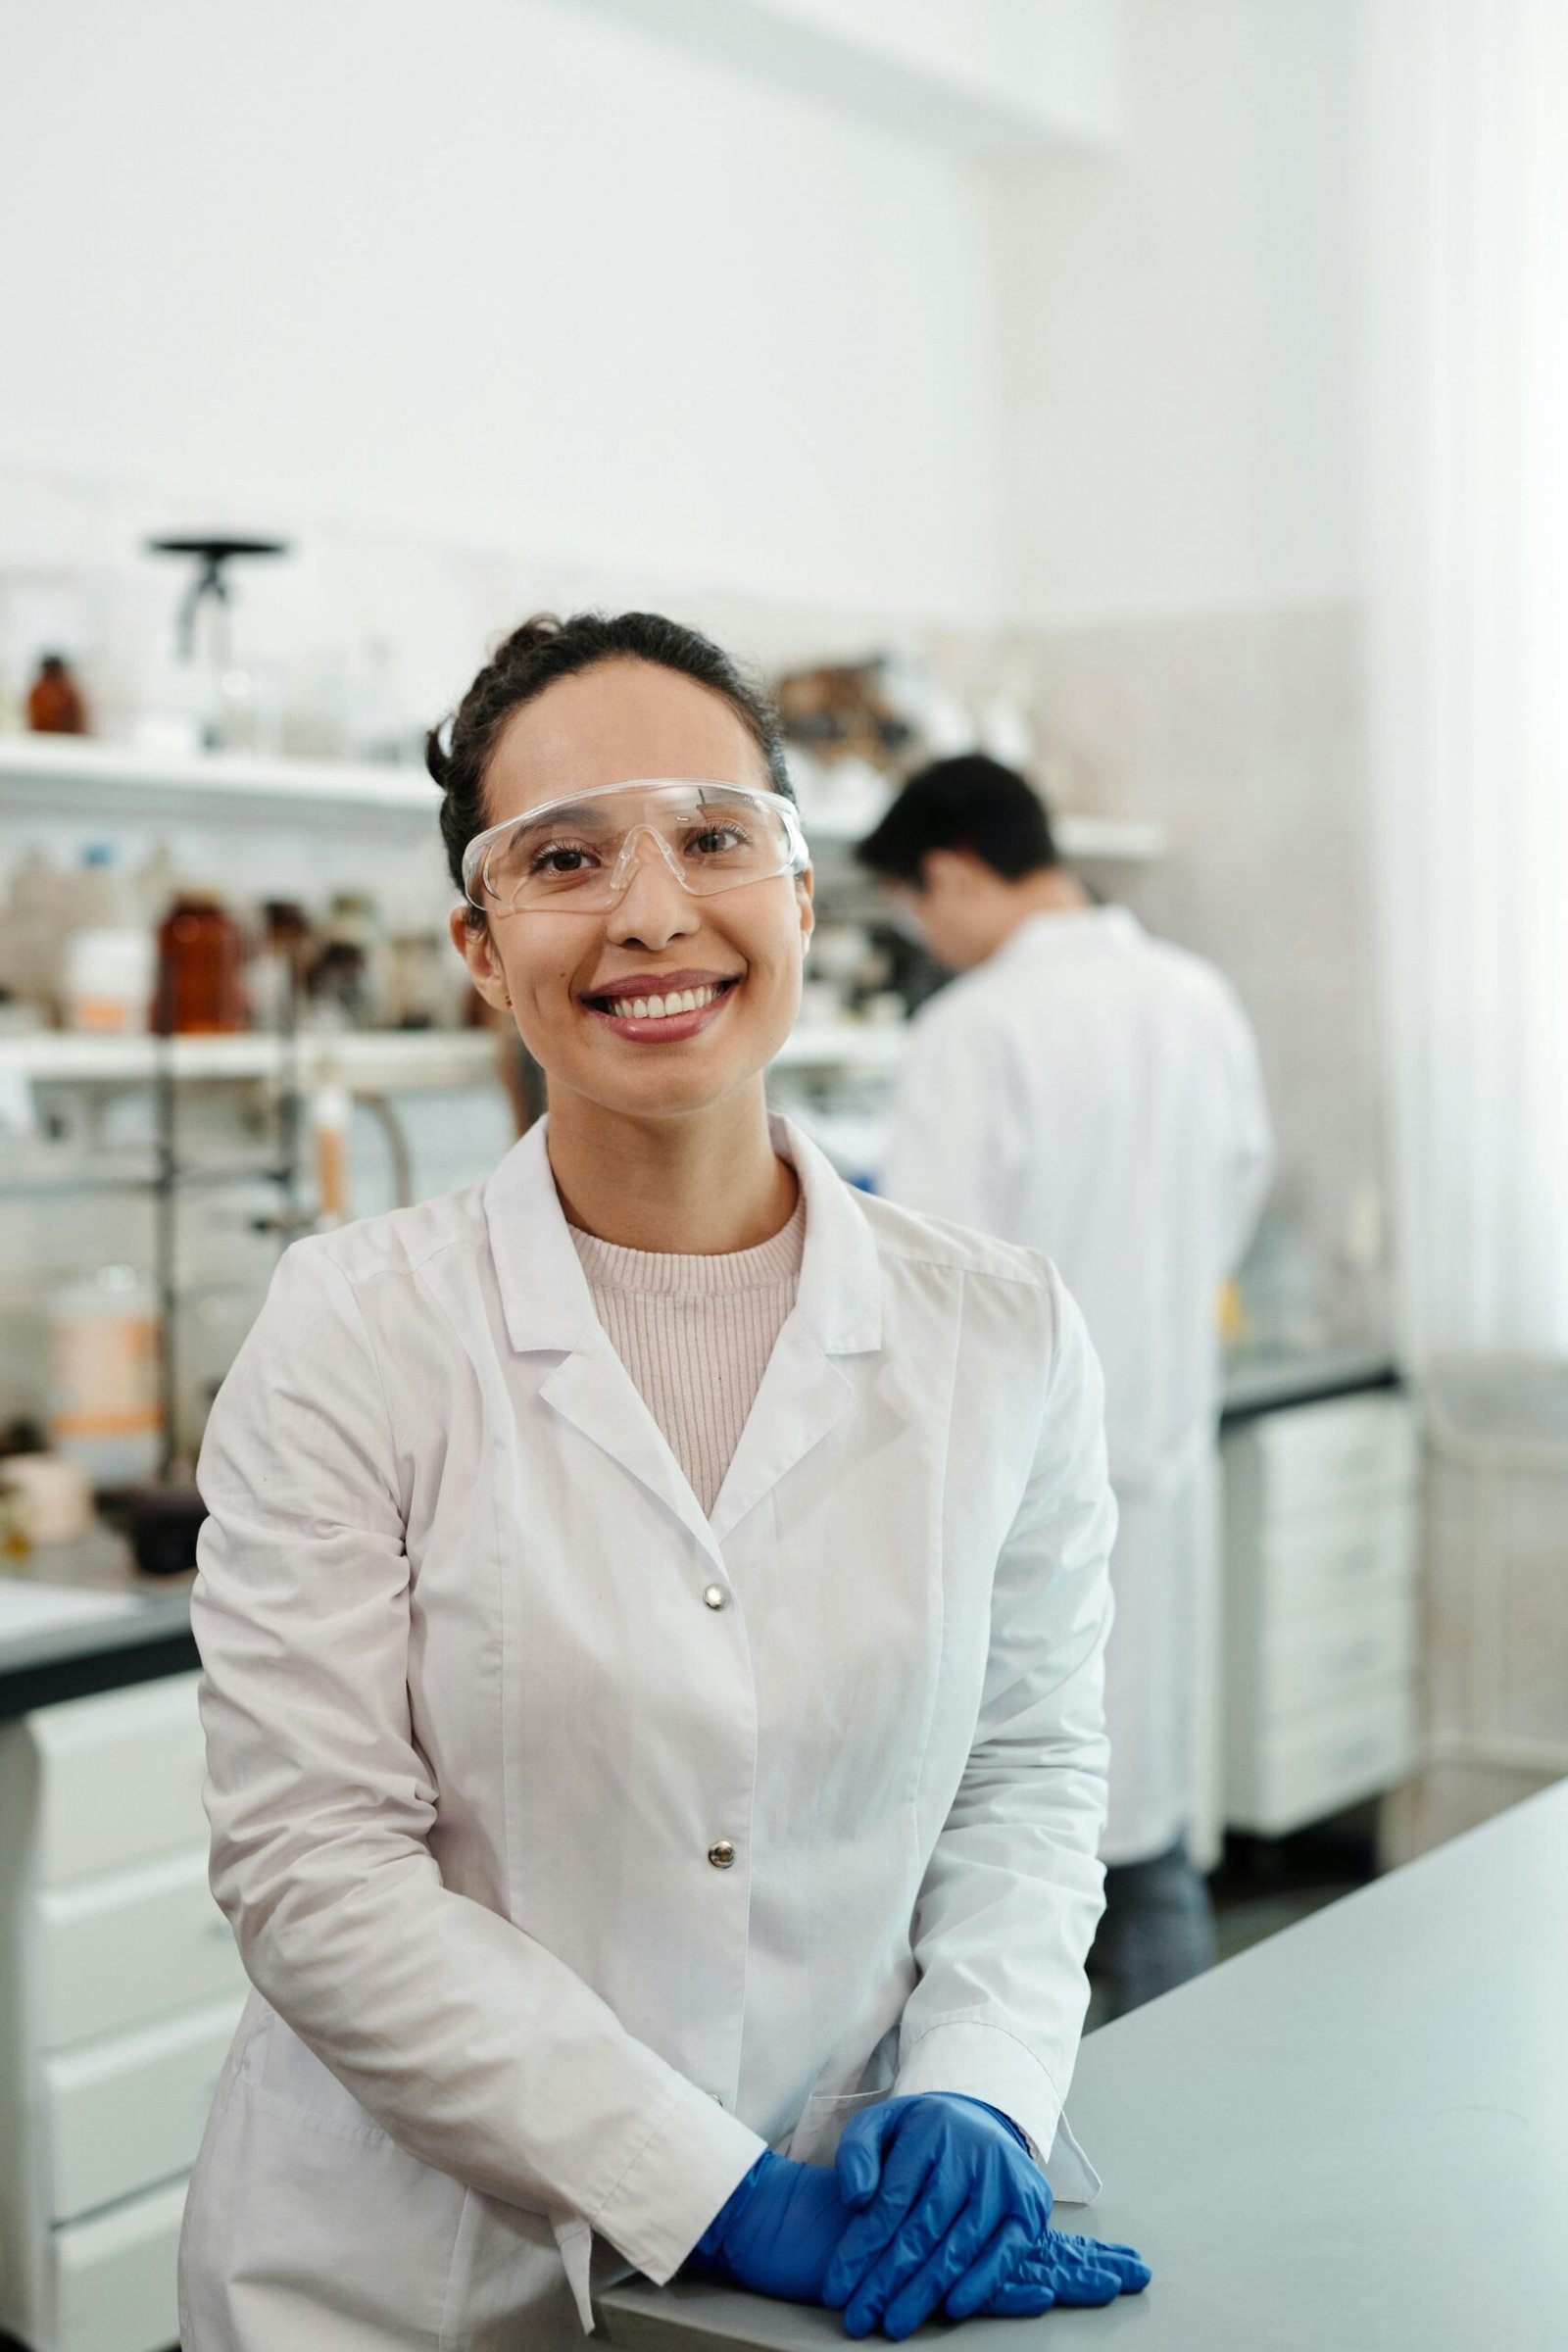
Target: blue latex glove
x,y
778,2230
1059,2270
942,2190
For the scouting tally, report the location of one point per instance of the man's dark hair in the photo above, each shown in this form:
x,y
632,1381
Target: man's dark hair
x,y
973,803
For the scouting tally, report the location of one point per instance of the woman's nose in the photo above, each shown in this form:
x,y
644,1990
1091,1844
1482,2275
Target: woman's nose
x,y
654,906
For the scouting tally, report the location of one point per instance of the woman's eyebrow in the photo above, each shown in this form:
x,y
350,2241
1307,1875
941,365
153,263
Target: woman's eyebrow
x,y
555,812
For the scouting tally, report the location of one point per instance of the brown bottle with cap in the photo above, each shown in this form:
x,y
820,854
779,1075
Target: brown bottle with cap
x,y
201,962
54,699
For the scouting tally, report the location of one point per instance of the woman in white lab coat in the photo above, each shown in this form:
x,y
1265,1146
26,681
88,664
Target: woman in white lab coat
x,y
580,1842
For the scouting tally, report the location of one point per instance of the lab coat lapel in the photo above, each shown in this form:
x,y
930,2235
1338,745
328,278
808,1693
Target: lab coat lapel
x,y
548,1306
838,1312
592,1390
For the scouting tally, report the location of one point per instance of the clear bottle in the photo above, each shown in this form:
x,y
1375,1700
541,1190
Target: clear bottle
x,y
110,956
34,924
105,1407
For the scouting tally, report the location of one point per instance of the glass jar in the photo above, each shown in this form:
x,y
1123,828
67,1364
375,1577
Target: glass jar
x,y
201,962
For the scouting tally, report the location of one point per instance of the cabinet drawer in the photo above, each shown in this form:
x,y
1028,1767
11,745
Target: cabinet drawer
x,y
1313,1661
119,1777
128,2112
1312,1454
1329,1559
1320,1763
116,2277
129,1946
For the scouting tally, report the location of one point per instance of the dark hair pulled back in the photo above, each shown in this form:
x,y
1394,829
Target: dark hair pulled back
x,y
546,648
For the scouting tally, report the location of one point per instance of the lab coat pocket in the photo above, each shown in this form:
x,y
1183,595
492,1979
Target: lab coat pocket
x,y
332,2230
517,2279
815,2137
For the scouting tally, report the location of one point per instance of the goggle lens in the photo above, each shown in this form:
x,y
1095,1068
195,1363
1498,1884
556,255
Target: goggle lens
x,y
581,853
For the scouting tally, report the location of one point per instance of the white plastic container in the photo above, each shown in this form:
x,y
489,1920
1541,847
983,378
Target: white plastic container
x,y
1495,1635
109,976
104,1402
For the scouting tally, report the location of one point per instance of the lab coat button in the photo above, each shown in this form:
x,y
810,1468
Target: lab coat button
x,y
722,1854
715,1596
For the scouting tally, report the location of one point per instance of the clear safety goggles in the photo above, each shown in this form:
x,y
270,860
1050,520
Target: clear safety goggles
x,y
578,855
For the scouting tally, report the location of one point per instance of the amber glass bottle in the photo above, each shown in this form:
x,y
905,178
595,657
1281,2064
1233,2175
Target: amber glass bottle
x,y
54,699
201,962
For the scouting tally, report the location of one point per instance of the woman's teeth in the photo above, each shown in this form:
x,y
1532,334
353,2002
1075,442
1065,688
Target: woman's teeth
x,y
659,1009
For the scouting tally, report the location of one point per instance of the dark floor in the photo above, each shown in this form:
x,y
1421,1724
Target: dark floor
x,y
1265,1883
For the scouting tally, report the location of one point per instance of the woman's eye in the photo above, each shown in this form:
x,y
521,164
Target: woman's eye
x,y
559,860
718,838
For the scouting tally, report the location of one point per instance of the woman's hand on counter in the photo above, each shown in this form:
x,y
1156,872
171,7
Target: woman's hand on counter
x,y
1070,2271
785,2228
778,2231
944,2191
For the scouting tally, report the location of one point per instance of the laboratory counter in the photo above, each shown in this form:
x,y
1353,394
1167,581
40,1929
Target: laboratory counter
x,y
1270,1383
76,1618
1352,2138
129,1629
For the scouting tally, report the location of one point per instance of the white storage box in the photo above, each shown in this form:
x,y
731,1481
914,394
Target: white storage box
x,y
1495,1647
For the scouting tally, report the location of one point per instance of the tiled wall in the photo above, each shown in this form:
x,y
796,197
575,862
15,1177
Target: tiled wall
x,y
1247,736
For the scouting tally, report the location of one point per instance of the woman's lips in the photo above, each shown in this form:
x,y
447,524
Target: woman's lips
x,y
661,1029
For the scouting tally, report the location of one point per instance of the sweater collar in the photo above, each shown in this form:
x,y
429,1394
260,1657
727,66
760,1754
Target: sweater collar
x,y
545,1292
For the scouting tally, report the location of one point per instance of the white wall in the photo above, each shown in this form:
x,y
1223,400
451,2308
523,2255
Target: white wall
x,y
982,75
501,272
522,276
1180,381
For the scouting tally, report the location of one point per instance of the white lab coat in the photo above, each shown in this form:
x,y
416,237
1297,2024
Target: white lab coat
x,y
473,1728
1094,1092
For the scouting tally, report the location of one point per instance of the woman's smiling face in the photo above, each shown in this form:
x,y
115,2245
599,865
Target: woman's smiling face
x,y
566,970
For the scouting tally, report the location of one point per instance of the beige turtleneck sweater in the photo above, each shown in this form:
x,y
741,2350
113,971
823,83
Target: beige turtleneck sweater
x,y
695,1334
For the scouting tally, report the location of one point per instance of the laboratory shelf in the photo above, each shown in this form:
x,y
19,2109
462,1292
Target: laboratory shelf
x,y
63,775
60,774
365,1061
1091,840
1110,840
844,1046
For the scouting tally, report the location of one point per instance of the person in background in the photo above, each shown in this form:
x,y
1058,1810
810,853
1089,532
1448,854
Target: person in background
x,y
650,1615
1093,1092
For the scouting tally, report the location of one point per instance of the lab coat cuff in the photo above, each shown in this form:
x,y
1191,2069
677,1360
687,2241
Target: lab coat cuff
x,y
693,2159
990,2063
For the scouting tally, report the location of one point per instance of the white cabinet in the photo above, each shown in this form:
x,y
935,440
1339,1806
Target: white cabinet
x,y
123,1987
1319,1612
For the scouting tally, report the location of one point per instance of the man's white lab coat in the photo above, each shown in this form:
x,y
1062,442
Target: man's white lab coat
x,y
1094,1092
487,1699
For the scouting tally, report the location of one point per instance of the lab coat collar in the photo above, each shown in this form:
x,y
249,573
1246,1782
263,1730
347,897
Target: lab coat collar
x,y
1071,927
548,1306
545,1295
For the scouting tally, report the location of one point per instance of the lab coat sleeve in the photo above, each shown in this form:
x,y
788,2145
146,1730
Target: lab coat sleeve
x,y
1014,1890
466,2041
950,1150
